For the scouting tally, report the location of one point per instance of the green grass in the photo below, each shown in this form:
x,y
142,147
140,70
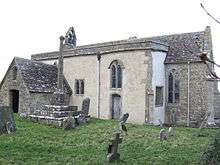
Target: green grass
x,y
35,143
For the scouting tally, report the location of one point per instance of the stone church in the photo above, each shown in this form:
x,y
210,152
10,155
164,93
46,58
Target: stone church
x,y
153,79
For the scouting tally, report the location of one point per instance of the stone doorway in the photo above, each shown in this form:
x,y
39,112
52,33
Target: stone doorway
x,y
14,100
116,106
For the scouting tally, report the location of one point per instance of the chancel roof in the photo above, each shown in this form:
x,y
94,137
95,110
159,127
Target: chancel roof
x,y
182,47
38,76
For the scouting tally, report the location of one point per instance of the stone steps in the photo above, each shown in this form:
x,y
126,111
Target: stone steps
x,y
47,120
53,115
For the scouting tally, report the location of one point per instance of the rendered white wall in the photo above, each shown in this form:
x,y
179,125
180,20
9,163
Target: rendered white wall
x,y
158,79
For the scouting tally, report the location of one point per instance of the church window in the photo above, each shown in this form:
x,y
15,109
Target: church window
x,y
79,86
113,79
173,89
159,96
82,86
119,76
14,73
116,75
170,88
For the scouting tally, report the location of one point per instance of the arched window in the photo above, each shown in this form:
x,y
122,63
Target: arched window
x,y
113,77
119,76
173,89
116,74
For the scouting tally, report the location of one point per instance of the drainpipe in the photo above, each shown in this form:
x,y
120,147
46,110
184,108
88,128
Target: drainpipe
x,y
188,95
98,83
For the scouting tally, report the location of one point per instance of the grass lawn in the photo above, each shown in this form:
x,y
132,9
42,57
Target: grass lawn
x,y
35,143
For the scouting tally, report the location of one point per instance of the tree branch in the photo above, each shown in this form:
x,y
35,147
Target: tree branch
x,y
209,14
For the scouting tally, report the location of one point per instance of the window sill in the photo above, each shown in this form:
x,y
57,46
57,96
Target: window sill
x,y
79,95
173,104
116,89
157,106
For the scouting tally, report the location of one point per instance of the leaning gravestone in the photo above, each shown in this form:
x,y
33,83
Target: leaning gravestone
x,y
7,123
121,123
114,142
113,148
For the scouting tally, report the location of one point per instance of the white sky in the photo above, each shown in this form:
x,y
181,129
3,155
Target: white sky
x,y
34,26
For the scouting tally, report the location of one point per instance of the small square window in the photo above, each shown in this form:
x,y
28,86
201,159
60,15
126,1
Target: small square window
x,y
159,96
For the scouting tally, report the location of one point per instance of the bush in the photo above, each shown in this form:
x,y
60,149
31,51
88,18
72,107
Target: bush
x,y
212,154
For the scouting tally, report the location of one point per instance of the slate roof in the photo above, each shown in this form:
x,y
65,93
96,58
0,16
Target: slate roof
x,y
181,47
39,77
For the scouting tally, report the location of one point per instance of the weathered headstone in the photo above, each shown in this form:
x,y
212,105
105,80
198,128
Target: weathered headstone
x,y
69,123
163,135
85,106
121,123
170,131
84,114
7,123
113,148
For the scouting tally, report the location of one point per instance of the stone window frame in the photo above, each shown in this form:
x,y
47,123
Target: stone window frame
x,y
14,73
79,86
159,96
173,87
116,76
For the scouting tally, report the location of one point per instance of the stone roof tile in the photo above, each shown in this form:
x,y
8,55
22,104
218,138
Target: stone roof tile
x,y
39,77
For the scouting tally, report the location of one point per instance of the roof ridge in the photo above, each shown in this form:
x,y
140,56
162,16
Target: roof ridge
x,y
137,39
32,61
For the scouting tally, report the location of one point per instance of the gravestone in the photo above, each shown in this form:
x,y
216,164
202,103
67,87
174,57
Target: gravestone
x,y
84,114
114,142
163,135
85,106
170,131
121,123
7,123
113,148
69,123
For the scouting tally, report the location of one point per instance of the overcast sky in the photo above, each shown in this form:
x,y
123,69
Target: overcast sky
x,y
34,26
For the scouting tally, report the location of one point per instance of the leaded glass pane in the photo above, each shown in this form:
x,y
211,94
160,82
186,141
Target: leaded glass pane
x,y
113,77
119,76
